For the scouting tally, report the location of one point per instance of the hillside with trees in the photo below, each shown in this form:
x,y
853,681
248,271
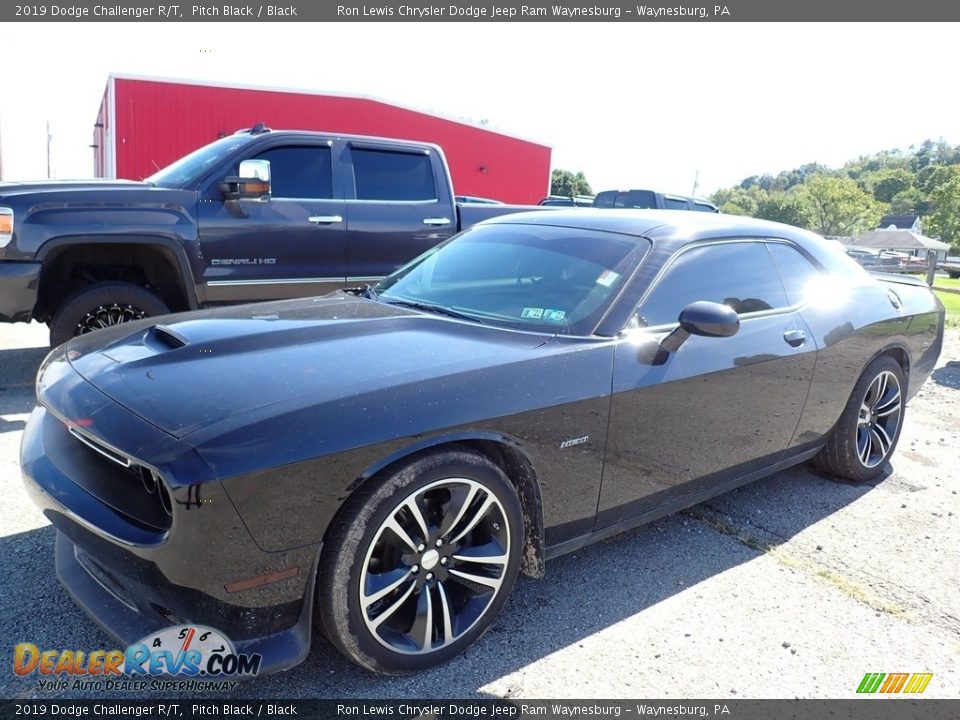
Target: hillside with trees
x,y
923,180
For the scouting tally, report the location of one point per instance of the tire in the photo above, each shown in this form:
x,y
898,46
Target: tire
x,y
954,275
102,305
424,610
866,435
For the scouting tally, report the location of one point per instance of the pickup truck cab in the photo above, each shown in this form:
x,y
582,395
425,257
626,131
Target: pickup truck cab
x,y
651,199
258,215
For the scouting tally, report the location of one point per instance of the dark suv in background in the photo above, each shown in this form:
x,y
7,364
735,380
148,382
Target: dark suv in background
x,y
650,199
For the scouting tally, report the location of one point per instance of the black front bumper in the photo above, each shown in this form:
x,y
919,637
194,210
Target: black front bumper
x,y
134,580
19,283
119,606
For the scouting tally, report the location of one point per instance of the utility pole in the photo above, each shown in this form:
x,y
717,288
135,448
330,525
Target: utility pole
x,y
696,178
49,138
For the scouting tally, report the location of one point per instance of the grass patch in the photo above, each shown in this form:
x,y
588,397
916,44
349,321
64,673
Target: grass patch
x,y
943,281
951,301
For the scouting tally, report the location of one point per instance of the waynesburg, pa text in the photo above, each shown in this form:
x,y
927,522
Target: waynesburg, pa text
x,y
495,12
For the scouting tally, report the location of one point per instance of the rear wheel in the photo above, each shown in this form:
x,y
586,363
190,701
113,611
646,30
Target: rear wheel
x,y
866,435
420,563
102,305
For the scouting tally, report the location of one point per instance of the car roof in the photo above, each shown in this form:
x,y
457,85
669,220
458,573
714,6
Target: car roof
x,y
663,227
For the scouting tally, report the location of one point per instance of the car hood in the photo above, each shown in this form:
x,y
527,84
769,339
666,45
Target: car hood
x,y
186,372
11,189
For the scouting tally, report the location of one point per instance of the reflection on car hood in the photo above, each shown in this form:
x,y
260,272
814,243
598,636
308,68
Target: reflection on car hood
x,y
185,372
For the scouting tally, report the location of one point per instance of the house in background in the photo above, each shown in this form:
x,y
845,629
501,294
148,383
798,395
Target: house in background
x,y
902,222
900,241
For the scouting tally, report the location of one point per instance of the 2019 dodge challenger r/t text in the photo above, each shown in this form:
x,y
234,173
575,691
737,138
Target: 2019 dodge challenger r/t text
x,y
379,464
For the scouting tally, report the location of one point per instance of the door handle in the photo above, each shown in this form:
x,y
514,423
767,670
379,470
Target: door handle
x,y
324,219
795,338
436,221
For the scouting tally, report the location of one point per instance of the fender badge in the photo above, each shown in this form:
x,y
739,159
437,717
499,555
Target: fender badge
x,y
574,441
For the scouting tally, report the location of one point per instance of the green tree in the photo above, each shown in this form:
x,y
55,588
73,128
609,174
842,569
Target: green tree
x,y
784,207
837,206
911,201
568,184
737,201
944,221
886,183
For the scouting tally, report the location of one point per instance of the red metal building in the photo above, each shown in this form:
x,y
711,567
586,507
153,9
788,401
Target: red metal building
x,y
145,124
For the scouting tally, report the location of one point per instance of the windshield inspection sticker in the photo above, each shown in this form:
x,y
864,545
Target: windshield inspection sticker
x,y
544,314
607,278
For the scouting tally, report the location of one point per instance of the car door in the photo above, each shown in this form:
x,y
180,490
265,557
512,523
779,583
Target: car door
x,y
291,246
717,408
397,207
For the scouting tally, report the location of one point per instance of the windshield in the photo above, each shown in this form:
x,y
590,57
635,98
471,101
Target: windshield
x,y
195,164
532,277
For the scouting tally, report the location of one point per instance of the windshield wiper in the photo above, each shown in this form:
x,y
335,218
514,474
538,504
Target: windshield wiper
x,y
439,309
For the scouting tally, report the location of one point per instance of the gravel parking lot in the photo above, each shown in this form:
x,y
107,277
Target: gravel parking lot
x,y
794,586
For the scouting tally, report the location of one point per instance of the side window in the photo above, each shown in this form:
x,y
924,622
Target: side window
x,y
741,275
300,172
796,272
384,175
641,199
605,199
674,203
703,207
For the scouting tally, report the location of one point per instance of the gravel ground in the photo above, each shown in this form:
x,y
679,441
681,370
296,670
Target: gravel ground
x,y
794,586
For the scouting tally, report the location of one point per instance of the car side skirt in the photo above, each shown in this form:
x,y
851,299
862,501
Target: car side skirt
x,y
678,504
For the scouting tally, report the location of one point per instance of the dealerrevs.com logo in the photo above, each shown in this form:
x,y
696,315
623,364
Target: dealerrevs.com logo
x,y
186,657
894,683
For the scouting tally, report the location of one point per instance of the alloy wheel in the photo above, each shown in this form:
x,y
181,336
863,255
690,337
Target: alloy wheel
x,y
434,566
879,419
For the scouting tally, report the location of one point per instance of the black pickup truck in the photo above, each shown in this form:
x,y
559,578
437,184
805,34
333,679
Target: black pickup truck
x,y
259,215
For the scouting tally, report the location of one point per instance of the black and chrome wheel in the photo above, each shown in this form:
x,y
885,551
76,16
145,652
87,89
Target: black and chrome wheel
x,y
421,563
100,306
866,435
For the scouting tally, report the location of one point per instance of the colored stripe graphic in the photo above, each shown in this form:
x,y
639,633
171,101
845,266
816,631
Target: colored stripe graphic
x,y
870,682
894,683
918,682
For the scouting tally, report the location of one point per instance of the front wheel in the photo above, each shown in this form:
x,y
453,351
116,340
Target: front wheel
x,y
866,435
420,563
102,305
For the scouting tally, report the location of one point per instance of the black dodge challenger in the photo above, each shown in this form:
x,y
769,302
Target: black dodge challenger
x,y
379,464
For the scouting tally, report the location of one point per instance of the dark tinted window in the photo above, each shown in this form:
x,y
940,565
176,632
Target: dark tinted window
x,y
383,175
672,203
702,207
299,172
605,199
638,199
796,272
741,275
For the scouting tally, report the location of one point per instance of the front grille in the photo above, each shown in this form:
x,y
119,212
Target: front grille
x,y
134,490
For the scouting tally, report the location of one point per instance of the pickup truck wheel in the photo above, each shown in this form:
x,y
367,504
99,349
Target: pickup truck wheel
x,y
866,435
102,305
420,563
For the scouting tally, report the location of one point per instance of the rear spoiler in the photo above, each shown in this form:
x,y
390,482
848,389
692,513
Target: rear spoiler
x,y
902,279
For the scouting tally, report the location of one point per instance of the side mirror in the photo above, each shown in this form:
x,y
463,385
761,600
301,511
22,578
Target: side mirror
x,y
251,183
708,319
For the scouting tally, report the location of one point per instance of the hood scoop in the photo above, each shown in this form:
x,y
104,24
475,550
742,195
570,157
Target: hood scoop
x,y
166,337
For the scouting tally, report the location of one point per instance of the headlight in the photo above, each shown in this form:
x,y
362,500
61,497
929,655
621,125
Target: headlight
x,y
6,226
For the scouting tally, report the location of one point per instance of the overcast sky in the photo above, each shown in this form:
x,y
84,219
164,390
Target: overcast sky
x,y
630,104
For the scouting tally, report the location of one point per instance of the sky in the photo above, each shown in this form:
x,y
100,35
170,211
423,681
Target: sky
x,y
651,105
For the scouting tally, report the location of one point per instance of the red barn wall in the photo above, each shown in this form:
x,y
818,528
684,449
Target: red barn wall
x,y
159,121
